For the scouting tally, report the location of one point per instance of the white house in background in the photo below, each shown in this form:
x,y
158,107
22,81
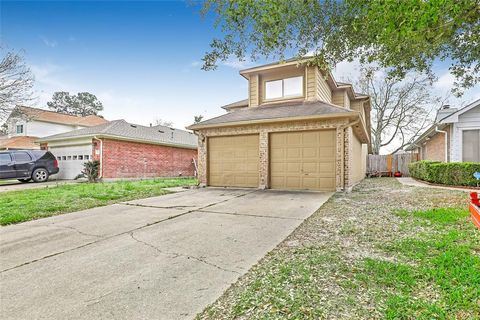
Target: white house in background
x,y
25,125
454,137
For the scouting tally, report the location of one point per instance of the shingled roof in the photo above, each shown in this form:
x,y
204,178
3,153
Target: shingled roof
x,y
121,129
276,112
20,142
57,117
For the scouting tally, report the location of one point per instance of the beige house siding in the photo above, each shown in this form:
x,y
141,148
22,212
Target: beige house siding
x,y
264,130
253,91
324,93
359,159
311,88
346,100
338,98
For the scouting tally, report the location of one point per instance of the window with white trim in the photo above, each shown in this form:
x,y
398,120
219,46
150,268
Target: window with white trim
x,y
284,88
19,128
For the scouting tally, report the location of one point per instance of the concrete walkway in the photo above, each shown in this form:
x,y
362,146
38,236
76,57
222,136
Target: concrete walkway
x,y
166,257
407,181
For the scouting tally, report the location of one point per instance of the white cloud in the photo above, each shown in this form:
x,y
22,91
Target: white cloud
x,y
445,81
237,64
49,74
195,63
48,42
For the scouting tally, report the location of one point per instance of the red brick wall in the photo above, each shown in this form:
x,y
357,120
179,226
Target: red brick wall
x,y
123,159
434,149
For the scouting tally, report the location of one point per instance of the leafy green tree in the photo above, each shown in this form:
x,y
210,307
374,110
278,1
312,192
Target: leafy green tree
x,y
399,35
81,104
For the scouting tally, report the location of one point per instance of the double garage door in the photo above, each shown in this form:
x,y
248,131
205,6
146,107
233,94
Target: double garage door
x,y
297,160
71,159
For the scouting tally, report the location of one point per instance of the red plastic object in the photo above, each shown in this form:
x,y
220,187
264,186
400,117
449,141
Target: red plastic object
x,y
397,174
475,209
474,198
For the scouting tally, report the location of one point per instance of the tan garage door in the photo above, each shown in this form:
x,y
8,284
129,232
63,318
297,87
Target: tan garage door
x,y
303,160
233,161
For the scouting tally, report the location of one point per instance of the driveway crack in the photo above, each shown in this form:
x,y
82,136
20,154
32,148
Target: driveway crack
x,y
128,232
76,230
176,254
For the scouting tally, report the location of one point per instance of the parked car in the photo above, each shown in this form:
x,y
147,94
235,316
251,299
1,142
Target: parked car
x,y
26,165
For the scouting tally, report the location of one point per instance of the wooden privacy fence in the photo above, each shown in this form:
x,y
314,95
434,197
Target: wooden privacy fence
x,y
386,165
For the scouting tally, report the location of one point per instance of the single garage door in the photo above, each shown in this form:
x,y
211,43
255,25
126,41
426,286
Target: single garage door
x,y
71,159
233,161
303,160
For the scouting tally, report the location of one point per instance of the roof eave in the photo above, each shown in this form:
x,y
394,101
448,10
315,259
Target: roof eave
x,y
115,137
351,114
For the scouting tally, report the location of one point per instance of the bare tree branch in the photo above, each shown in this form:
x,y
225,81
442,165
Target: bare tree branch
x,y
401,108
16,82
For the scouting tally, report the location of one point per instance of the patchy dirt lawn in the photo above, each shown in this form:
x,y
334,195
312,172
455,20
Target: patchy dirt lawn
x,y
382,251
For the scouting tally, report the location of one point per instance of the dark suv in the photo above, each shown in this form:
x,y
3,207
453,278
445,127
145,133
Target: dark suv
x,y
26,165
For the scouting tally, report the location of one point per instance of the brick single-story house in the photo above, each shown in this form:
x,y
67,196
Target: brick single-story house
x,y
299,129
125,150
454,137
25,125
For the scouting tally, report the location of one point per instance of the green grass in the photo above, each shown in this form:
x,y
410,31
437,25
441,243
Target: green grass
x,y
426,266
443,262
19,206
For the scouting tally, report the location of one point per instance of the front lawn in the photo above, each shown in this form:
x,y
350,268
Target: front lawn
x,y
384,251
19,206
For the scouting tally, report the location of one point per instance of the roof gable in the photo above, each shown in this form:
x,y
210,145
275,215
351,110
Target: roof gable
x,y
454,116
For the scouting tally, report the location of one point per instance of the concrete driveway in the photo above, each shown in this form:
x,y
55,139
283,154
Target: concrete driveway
x,y
158,258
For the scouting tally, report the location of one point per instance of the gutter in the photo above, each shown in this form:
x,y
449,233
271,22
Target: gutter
x,y
446,141
101,157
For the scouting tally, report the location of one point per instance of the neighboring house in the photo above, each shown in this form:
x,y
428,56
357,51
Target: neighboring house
x,y
454,137
25,125
125,150
298,129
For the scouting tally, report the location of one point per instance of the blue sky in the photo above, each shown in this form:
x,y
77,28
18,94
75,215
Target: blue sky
x,y
141,59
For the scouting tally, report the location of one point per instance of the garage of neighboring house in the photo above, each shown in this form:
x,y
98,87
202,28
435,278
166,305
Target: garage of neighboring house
x,y
125,150
71,158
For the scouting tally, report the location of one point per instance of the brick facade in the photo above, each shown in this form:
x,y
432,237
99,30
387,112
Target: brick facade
x,y
343,136
125,159
434,148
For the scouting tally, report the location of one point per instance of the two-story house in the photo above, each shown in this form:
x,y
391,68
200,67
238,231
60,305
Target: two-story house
x,y
25,125
298,129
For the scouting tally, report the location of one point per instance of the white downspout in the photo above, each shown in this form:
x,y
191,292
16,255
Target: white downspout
x,y
101,157
446,141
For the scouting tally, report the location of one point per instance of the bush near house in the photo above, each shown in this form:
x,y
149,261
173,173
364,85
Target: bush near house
x,y
453,173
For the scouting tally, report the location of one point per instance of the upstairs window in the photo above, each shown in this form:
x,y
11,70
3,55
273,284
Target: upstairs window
x,y
19,128
284,88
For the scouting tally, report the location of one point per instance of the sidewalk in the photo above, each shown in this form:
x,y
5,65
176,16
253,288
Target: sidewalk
x,y
407,181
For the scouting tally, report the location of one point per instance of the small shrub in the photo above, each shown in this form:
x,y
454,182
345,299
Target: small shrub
x,y
453,173
90,171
